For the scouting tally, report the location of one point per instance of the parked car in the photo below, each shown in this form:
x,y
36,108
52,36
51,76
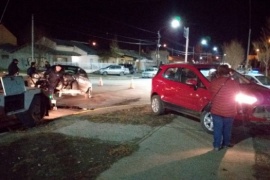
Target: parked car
x,y
114,69
149,72
75,81
185,88
130,68
258,78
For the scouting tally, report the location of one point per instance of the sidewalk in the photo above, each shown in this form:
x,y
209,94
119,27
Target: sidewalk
x,y
162,155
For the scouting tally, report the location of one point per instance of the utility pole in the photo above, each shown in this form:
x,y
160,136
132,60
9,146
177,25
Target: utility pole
x,y
186,35
32,35
158,45
249,34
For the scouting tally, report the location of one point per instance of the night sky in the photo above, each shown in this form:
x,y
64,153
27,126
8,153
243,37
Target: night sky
x,y
136,20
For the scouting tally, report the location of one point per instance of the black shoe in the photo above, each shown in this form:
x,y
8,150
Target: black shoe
x,y
228,146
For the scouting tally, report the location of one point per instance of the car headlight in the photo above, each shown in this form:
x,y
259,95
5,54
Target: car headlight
x,y
245,99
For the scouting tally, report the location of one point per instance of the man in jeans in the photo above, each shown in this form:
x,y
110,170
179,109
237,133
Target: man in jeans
x,y
223,90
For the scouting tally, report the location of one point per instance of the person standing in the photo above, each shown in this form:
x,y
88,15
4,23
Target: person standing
x,y
32,69
223,90
55,75
47,65
13,69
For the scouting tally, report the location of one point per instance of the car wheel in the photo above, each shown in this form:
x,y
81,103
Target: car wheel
x,y
35,113
122,74
105,73
157,105
207,122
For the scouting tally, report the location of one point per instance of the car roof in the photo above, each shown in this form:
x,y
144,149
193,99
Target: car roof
x,y
198,66
63,65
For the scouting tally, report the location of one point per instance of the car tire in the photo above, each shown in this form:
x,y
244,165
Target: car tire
x,y
207,122
121,74
105,73
157,105
37,110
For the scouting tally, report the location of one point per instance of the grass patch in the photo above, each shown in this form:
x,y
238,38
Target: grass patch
x,y
135,116
47,155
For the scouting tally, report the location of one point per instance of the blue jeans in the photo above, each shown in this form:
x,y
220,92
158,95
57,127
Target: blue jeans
x,y
222,130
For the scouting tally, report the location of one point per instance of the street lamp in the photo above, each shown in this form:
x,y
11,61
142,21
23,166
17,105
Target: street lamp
x,y
204,43
175,24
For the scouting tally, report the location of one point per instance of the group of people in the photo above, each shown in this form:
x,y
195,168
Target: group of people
x,y
54,75
223,89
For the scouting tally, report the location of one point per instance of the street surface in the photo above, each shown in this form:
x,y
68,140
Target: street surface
x,y
114,90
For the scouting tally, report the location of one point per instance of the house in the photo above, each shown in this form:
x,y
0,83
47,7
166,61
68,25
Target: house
x,y
8,43
6,37
57,51
54,51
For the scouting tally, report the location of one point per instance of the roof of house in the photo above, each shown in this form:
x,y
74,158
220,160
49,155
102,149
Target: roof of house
x,y
57,52
81,45
8,47
134,54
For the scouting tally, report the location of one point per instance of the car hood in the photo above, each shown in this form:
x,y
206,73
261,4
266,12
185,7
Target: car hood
x,y
261,93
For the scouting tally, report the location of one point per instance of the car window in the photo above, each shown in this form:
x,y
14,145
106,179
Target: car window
x,y
264,80
171,74
70,70
189,77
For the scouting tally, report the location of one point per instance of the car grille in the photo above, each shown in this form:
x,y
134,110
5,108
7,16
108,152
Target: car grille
x,y
262,112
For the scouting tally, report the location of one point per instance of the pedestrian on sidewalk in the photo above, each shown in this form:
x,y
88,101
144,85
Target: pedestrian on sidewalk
x,y
223,90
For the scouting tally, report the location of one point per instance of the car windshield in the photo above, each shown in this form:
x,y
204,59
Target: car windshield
x,y
210,74
264,80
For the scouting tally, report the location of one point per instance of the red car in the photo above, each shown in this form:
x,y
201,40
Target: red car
x,y
184,88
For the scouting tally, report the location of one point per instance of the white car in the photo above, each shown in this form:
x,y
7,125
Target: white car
x,y
114,69
149,72
258,78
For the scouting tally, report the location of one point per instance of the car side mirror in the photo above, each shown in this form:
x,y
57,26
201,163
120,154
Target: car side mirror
x,y
193,83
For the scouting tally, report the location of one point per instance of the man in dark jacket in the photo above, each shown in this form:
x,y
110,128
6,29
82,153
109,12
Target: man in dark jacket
x,y
13,69
55,75
32,69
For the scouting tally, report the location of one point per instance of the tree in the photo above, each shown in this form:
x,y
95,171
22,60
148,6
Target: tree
x,y
115,50
262,46
234,53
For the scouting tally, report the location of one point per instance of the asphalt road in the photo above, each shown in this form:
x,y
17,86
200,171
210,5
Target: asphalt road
x,y
112,90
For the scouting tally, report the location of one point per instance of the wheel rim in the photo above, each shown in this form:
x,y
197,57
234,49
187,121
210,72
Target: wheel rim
x,y
208,122
155,105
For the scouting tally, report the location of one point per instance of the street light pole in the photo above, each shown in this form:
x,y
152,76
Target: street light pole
x,y
158,45
186,35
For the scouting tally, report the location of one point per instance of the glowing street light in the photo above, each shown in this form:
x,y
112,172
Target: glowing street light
x,y
175,24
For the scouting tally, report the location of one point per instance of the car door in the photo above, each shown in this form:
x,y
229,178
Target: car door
x,y
188,90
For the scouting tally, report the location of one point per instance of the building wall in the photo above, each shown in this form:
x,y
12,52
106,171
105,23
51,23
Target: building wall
x,y
6,37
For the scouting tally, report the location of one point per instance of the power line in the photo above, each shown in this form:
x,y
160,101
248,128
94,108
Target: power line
x,y
4,12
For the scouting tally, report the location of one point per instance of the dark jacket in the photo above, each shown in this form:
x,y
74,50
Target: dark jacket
x,y
13,69
31,70
54,77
